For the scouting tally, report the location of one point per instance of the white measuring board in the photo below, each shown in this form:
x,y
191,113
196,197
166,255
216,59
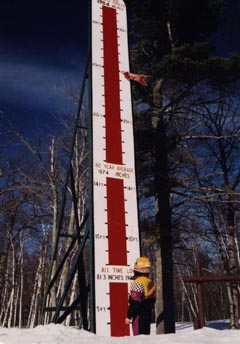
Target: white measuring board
x,y
115,210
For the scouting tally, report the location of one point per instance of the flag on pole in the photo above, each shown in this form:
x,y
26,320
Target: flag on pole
x,y
142,79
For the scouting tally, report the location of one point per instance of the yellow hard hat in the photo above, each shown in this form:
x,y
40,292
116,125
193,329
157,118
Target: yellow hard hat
x,y
142,264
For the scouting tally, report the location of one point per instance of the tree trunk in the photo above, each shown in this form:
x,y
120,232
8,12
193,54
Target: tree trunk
x,y
9,308
164,261
52,300
186,299
21,281
38,287
233,294
159,308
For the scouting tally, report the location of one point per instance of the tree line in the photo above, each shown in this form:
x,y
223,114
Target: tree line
x,y
187,133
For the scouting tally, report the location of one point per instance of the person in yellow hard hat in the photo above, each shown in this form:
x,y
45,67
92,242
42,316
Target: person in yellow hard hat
x,y
142,298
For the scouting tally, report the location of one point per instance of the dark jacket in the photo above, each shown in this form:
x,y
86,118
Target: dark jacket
x,y
141,303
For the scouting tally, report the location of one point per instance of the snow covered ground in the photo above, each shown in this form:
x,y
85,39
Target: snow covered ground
x,y
214,333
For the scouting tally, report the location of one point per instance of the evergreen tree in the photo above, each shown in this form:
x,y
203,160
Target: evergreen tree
x,y
172,44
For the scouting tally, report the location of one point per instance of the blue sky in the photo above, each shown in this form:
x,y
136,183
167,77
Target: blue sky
x,y
43,46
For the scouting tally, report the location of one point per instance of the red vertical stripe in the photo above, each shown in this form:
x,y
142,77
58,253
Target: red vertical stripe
x,y
117,248
116,222
118,309
112,87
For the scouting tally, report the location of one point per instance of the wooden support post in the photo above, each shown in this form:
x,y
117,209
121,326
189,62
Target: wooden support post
x,y
199,279
201,314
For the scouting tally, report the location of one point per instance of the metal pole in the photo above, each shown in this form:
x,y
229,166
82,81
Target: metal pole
x,y
91,225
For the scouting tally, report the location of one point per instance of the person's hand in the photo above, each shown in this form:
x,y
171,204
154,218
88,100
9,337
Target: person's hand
x,y
127,321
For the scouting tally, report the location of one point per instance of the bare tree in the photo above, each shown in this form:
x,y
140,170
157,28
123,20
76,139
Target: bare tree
x,y
215,190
